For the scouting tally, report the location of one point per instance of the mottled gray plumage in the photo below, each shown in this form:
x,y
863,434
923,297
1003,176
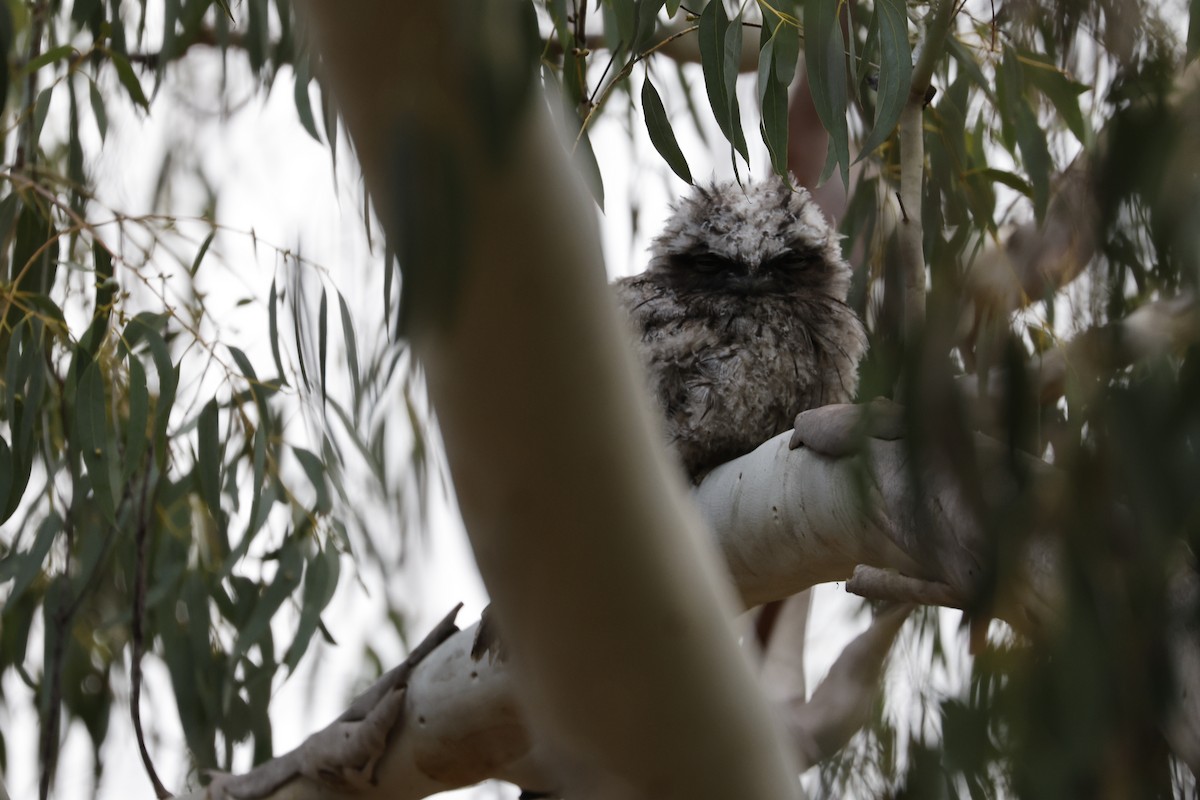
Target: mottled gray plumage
x,y
741,320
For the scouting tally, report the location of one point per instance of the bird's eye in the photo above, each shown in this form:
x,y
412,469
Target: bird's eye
x,y
711,264
789,261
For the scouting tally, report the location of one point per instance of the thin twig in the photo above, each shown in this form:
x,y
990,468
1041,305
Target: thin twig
x,y
622,75
139,613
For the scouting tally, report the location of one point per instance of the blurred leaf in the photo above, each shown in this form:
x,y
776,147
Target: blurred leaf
x,y
557,9
209,456
1060,90
323,340
970,67
824,56
1010,180
625,13
201,253
895,72
35,251
303,104
1031,139
661,134
40,109
60,53
105,283
92,434
129,80
299,342
316,475
273,329
136,432
320,581
720,51
287,578
258,32
6,476
256,503
589,167
351,348
144,327
29,564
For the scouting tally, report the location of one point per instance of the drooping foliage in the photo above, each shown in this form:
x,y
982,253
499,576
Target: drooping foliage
x,y
160,494
155,499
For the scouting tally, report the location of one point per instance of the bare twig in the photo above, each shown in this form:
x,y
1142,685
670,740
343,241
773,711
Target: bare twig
x,y
139,612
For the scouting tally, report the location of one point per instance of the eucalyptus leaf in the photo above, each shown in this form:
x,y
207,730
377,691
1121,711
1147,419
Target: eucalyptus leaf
x,y
824,56
895,72
661,135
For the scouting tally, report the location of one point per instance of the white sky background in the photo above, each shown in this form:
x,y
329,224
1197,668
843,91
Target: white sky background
x,y
273,178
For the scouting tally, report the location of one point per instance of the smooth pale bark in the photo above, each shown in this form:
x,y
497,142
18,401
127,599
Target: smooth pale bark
x,y
599,569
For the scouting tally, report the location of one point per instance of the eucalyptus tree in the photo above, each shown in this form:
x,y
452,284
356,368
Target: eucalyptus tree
x,y
1018,194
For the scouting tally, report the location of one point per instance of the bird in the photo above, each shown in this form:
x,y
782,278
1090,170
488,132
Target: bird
x,y
740,318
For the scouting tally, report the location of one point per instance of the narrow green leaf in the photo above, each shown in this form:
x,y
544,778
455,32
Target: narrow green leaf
x,y
299,344
1010,180
258,390
661,134
98,111
92,437
136,434
712,29
557,9
351,348
144,327
303,103
589,167
1035,155
647,24
287,578
129,80
6,481
895,72
60,53
33,559
776,67
733,58
1060,90
40,108
625,12
965,59
171,13
208,457
316,475
673,7
824,55
320,581
259,466
106,285
203,251
273,329
323,340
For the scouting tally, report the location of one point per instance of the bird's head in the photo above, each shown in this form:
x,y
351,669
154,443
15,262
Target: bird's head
x,y
762,238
